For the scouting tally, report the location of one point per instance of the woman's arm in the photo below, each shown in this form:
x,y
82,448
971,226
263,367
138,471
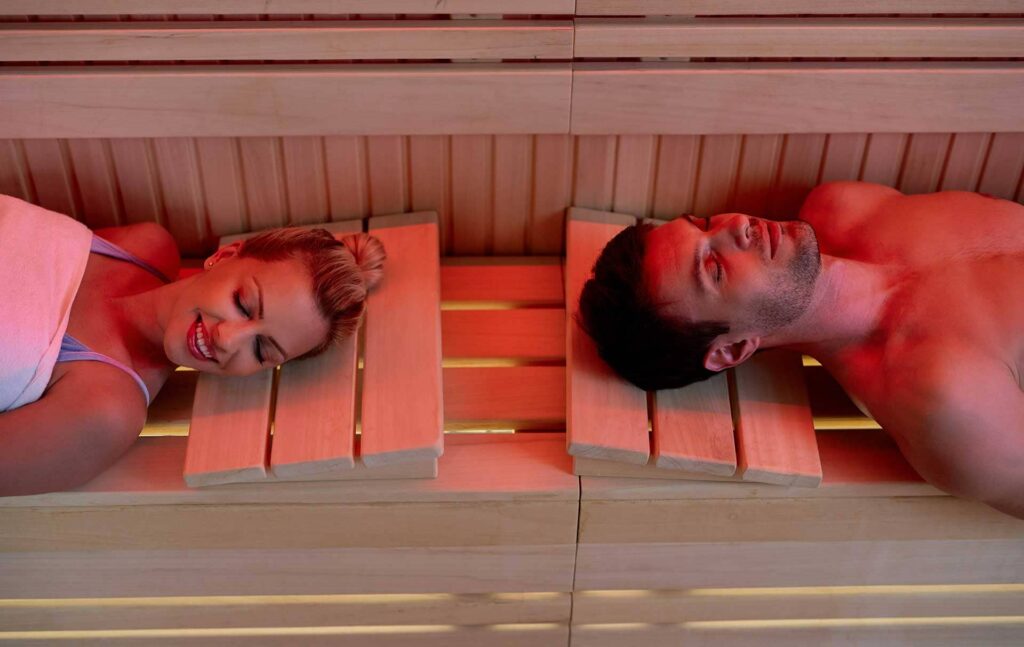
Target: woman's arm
x,y
80,426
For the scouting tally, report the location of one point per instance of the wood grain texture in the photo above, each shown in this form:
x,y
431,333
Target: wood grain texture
x,y
775,438
675,184
515,397
783,7
257,7
686,98
799,37
286,40
402,388
533,281
693,428
536,334
607,416
252,100
472,191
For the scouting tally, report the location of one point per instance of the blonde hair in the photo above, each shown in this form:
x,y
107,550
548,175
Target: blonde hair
x,y
343,271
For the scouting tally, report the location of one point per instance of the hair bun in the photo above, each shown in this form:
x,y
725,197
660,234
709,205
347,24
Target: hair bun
x,y
369,254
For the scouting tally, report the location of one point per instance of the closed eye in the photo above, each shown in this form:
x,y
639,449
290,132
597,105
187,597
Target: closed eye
x,y
241,307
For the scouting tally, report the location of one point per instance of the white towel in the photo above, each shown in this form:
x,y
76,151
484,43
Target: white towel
x,y
42,260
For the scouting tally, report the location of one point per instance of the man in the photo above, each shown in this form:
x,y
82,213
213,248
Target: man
x,y
914,303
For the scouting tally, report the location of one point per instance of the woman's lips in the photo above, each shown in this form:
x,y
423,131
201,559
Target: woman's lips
x,y
192,341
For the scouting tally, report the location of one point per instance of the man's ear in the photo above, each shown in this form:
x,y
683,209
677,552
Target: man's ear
x,y
726,353
223,253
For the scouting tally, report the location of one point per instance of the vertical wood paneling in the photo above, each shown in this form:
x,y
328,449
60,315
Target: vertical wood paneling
x,y
966,157
883,158
387,172
635,168
304,178
758,166
675,184
264,182
1004,165
220,170
348,193
182,188
716,175
97,185
472,190
52,176
430,182
923,163
798,173
552,193
595,171
513,174
844,155
14,177
136,175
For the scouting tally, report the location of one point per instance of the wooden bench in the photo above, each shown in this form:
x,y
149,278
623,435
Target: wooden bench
x,y
498,116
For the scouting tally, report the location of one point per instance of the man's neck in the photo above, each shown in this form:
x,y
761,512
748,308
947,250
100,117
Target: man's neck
x,y
846,308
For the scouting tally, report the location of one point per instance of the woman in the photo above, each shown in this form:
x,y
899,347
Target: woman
x,y
95,327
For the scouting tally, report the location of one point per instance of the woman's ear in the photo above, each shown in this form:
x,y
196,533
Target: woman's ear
x,y
224,252
726,353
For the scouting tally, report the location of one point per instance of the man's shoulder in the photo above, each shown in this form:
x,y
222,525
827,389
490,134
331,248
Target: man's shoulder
x,y
843,205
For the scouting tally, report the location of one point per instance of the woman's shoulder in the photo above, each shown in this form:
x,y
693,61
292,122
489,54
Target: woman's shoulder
x,y
148,241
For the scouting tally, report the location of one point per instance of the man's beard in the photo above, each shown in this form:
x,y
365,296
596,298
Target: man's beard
x,y
791,290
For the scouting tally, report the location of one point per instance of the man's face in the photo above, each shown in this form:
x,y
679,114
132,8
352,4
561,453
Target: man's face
x,y
755,275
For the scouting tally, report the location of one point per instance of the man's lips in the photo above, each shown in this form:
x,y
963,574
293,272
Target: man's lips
x,y
774,235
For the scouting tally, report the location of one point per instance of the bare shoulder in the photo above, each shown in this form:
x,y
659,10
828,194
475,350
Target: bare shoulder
x,y
150,242
845,204
103,394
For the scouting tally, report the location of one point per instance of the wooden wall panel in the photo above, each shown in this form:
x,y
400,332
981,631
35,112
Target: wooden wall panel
x,y
503,194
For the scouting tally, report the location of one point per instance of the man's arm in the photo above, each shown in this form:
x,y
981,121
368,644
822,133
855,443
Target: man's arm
x,y
81,425
961,425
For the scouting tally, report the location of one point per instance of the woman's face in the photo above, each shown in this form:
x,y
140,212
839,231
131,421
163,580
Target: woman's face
x,y
244,315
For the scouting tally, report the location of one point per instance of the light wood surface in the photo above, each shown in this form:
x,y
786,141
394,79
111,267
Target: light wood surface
x,y
402,411
515,397
799,37
511,281
314,414
240,100
607,416
530,334
775,438
755,7
242,7
686,98
286,41
229,434
693,428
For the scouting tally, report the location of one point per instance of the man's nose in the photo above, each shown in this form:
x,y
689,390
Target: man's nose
x,y
739,230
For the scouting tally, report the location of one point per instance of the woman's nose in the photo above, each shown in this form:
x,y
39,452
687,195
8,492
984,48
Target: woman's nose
x,y
229,335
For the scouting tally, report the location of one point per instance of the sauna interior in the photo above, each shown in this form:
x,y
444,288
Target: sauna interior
x,y
495,145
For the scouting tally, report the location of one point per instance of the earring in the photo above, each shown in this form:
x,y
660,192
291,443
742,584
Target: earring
x,y
208,263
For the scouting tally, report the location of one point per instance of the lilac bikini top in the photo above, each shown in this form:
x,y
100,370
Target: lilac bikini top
x,y
72,350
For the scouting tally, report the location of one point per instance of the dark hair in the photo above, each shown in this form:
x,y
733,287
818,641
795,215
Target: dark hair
x,y
642,345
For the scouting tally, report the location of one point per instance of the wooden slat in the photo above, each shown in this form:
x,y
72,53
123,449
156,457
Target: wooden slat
x,y
286,41
472,193
774,428
230,430
402,393
512,175
236,7
693,428
607,416
783,7
687,98
314,417
674,186
516,397
719,162
527,333
799,37
552,191
247,100
519,281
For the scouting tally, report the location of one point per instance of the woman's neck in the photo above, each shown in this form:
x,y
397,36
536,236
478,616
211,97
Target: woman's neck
x,y
142,320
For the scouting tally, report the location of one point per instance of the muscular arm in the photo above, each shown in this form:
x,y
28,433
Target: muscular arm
x,y
962,427
83,423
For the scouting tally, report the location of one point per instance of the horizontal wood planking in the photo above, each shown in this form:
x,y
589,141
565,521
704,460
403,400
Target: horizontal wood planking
x,y
791,37
693,428
783,7
518,281
282,611
598,607
243,7
122,181
687,98
532,334
518,397
155,101
286,41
